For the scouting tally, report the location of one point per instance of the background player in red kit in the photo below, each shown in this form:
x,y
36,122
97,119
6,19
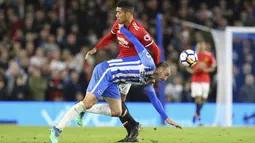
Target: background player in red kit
x,y
200,81
124,14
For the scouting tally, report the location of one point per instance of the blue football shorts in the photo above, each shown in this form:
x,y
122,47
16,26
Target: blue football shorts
x,y
100,83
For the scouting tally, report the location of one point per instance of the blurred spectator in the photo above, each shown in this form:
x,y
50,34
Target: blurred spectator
x,y
37,85
72,90
56,64
78,60
16,82
23,60
19,91
85,76
51,45
61,37
28,25
2,88
38,59
248,89
65,75
4,59
174,90
101,56
71,44
55,87
247,68
186,95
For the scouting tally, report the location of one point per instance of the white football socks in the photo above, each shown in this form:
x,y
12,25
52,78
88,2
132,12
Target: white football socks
x,y
100,109
71,114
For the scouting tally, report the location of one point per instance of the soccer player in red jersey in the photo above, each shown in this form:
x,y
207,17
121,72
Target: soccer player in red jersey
x,y
200,81
124,15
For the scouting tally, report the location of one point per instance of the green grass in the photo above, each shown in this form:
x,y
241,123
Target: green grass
x,y
18,134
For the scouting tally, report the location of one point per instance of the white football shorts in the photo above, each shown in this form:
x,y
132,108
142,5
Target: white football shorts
x,y
200,89
124,88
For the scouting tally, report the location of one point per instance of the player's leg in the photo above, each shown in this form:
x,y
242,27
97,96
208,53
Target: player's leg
x,y
115,106
132,127
89,100
196,93
111,92
205,92
126,119
199,105
97,85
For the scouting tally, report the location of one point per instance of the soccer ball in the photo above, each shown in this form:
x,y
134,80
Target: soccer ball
x,y
188,58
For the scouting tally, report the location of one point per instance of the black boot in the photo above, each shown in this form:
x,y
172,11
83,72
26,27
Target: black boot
x,y
133,134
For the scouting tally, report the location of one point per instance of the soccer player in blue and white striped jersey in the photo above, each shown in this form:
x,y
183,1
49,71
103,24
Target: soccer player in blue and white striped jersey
x,y
139,70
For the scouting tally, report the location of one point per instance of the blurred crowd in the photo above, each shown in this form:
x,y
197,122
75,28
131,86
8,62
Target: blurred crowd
x,y
43,42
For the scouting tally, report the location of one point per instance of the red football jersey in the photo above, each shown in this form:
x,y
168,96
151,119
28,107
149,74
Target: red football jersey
x,y
127,49
209,60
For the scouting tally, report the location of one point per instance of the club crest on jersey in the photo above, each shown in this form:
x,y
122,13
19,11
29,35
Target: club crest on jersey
x,y
122,41
147,37
100,92
206,60
148,55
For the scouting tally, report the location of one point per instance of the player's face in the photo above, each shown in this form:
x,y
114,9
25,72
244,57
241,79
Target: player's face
x,y
121,15
161,74
202,46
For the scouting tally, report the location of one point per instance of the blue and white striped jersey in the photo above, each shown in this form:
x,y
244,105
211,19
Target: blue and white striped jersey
x,y
130,70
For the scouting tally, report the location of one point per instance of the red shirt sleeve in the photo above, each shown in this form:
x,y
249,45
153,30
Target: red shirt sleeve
x,y
108,38
146,39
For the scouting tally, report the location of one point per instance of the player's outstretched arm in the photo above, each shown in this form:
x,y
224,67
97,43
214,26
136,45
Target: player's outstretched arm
x,y
90,52
138,45
102,43
158,106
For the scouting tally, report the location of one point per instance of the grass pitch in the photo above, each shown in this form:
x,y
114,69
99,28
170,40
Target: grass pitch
x,y
19,134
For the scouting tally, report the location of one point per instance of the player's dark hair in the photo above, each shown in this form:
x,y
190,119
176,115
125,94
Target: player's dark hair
x,y
126,5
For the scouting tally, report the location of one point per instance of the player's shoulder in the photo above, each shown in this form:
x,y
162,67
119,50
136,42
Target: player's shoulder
x,y
205,53
115,24
210,54
115,27
136,26
139,31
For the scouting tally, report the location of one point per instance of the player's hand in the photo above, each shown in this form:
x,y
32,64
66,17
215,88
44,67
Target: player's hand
x,y
201,65
169,121
151,81
90,52
190,70
206,70
177,126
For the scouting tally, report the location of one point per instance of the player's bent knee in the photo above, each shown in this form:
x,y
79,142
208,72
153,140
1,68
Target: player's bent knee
x,y
116,113
89,100
88,105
